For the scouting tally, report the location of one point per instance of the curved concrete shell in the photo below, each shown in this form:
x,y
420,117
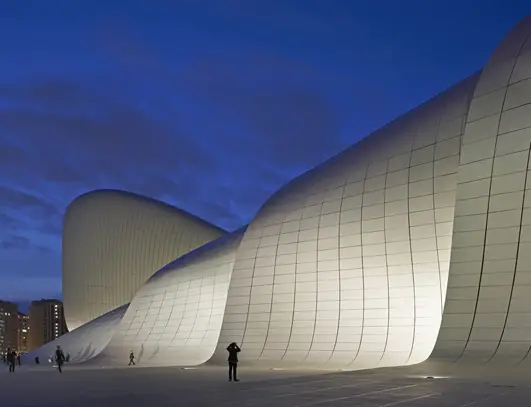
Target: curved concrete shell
x,y
176,317
347,266
351,265
83,343
487,317
113,241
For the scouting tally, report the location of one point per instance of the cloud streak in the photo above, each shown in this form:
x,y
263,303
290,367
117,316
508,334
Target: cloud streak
x,y
61,132
213,133
61,138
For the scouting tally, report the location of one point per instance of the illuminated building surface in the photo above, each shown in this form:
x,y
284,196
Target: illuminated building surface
x,y
414,243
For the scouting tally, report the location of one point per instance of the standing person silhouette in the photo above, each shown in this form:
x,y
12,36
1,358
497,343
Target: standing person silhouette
x,y
59,358
233,350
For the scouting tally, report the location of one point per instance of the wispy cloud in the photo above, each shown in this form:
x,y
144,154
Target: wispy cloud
x,y
215,135
61,138
15,242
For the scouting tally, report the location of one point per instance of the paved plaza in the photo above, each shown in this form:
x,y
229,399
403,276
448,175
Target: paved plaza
x,y
161,387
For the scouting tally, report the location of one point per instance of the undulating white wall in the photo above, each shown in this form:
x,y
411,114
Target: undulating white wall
x,y
351,264
113,242
488,308
346,266
176,317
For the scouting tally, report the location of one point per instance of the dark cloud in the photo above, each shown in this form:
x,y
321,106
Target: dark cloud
x,y
116,39
64,133
10,154
52,226
278,102
23,212
63,154
289,130
285,118
7,222
260,123
109,145
14,242
46,249
118,137
288,121
52,93
32,204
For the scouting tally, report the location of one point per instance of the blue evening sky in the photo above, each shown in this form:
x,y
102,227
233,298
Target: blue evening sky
x,y
209,105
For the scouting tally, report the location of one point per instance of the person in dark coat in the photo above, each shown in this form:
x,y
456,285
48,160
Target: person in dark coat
x,y
11,360
131,358
233,350
59,358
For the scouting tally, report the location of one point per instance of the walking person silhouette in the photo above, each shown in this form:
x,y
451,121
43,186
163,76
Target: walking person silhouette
x,y
233,350
59,358
132,358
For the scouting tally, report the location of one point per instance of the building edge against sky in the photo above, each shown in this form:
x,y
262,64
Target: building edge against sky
x,y
113,241
487,315
176,317
413,242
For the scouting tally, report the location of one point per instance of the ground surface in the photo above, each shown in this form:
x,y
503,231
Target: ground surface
x,y
161,387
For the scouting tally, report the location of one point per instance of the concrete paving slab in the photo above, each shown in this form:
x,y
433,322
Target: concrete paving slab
x,y
164,387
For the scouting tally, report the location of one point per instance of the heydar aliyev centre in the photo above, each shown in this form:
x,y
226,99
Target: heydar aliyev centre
x,y
413,244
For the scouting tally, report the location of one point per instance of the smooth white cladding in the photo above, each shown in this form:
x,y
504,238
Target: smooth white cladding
x,y
83,343
113,242
346,266
176,317
488,309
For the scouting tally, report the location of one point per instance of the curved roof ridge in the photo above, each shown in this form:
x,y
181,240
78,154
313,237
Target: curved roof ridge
x,y
154,201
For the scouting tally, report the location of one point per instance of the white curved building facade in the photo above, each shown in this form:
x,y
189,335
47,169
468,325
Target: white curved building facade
x,y
176,317
487,315
415,242
113,241
83,343
347,266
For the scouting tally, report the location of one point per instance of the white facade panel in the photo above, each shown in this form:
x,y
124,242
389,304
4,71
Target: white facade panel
x,y
113,242
81,344
176,317
414,242
364,283
489,321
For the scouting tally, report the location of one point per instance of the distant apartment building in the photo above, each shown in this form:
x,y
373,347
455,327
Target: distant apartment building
x,y
23,333
8,326
46,322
